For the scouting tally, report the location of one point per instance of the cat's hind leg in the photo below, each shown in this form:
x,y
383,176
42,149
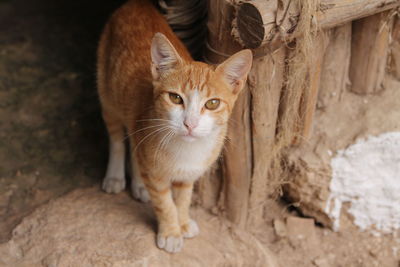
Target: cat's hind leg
x,y
114,181
139,190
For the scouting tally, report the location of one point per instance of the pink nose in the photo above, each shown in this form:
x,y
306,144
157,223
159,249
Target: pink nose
x,y
190,124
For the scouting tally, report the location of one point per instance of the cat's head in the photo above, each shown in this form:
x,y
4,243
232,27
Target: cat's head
x,y
194,98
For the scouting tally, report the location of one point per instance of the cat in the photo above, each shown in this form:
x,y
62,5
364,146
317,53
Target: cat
x,y
173,110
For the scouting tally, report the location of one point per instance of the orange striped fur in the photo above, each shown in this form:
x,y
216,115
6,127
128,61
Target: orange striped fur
x,y
173,110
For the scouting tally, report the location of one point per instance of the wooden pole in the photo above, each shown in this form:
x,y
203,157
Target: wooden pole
x,y
395,49
237,163
259,21
265,83
253,31
335,68
369,50
209,188
310,94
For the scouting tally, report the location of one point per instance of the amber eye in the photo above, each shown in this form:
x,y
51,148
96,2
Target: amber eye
x,y
176,99
212,104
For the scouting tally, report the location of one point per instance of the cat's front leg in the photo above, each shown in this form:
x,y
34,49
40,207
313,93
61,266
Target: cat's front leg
x,y
169,235
183,197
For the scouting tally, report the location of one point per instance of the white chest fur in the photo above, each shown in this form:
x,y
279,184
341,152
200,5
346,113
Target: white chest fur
x,y
191,159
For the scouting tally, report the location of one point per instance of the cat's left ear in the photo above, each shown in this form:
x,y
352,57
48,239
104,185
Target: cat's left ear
x,y
235,69
164,56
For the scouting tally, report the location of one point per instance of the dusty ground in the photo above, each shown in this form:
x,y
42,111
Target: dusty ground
x,y
90,228
52,138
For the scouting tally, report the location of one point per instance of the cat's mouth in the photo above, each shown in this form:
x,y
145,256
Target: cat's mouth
x,y
189,136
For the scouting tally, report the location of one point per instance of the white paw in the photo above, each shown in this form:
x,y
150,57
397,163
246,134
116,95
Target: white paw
x,y
140,192
190,229
171,244
113,185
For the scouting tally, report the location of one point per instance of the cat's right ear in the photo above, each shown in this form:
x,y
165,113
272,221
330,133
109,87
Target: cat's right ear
x,y
164,57
235,69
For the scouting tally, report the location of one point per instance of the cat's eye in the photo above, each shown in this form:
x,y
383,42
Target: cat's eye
x,y
212,104
176,99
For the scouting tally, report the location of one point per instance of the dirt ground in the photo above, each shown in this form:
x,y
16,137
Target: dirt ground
x,y
52,137
53,140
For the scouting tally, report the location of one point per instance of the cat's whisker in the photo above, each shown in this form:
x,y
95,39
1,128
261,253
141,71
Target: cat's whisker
x,y
142,120
168,139
171,122
143,129
160,146
150,134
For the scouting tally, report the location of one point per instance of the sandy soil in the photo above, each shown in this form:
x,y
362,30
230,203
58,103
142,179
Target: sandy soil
x,y
53,140
90,228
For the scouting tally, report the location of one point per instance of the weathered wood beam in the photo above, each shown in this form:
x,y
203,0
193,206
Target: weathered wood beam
x,y
209,189
260,21
265,83
310,94
237,156
395,49
369,51
335,68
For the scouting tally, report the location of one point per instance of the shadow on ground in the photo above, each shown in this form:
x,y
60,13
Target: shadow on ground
x,y
52,138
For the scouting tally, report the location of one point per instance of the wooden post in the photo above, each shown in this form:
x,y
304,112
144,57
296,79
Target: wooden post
x,y
265,83
395,49
237,164
335,68
369,50
261,19
209,188
252,31
310,94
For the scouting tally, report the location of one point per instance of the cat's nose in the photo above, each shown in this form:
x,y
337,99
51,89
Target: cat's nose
x,y
190,124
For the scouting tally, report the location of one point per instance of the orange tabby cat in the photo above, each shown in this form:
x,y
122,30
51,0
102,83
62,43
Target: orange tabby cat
x,y
174,111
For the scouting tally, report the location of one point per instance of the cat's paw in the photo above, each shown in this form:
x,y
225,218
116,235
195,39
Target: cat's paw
x,y
140,192
113,185
190,229
170,243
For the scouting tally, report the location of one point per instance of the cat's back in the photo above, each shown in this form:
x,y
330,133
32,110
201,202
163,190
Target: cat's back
x,y
124,61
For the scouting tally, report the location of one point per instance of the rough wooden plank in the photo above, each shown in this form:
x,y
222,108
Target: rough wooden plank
x,y
395,49
265,83
237,162
310,94
209,188
335,68
369,50
269,18
337,12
